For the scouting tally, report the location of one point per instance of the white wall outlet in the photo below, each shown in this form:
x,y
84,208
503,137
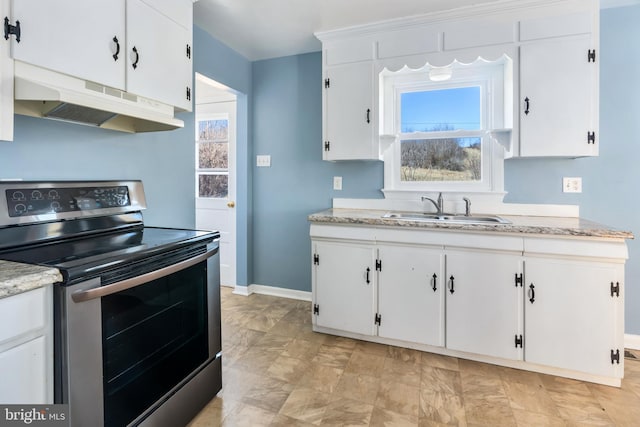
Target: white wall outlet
x,y
337,183
572,185
263,161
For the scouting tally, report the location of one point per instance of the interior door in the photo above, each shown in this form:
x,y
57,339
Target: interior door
x,y
216,171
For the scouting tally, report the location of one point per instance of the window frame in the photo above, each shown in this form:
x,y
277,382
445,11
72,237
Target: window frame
x,y
492,77
209,171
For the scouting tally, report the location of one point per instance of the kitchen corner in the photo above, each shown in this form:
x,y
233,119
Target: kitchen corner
x,y
16,278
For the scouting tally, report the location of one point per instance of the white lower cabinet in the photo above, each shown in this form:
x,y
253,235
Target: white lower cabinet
x,y
573,315
411,294
551,305
484,303
26,347
345,287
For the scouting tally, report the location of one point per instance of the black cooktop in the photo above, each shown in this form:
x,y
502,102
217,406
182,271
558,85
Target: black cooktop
x,y
82,258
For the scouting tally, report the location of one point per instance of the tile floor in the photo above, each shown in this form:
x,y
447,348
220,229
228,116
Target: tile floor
x,y
277,372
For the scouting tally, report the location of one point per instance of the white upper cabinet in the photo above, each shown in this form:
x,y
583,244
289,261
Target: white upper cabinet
x,y
6,82
76,38
559,87
139,46
349,112
159,56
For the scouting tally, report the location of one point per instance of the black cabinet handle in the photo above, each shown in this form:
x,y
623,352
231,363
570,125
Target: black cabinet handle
x,y
368,271
532,293
434,280
451,285
368,115
115,55
526,105
135,63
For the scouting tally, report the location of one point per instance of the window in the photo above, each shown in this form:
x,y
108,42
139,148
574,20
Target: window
x,y
212,158
438,123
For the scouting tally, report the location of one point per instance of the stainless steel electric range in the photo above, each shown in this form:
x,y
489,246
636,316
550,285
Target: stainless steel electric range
x,y
137,315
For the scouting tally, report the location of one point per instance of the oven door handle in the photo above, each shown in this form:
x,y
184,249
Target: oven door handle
x,y
86,295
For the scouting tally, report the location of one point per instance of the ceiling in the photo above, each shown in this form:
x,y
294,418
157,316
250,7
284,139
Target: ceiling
x,y
263,29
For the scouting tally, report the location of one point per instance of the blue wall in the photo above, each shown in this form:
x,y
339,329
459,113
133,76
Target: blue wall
x,y
287,124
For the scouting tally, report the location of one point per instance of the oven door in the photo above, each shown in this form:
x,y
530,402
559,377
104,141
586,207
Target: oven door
x,y
126,348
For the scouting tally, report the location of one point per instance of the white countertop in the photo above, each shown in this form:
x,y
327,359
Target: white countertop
x,y
16,278
557,226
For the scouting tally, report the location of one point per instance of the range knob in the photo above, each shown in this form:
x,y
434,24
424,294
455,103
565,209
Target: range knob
x,y
36,195
20,208
53,195
55,206
17,196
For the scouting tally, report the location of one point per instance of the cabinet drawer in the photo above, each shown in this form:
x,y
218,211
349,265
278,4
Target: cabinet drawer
x,y
22,313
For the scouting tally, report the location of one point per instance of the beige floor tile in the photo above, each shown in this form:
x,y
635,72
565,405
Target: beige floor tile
x,y
403,372
530,398
269,379
398,397
381,417
441,380
367,364
363,388
347,412
336,357
533,419
320,377
441,408
305,404
439,361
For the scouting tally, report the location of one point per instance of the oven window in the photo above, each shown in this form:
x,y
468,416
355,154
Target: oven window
x,y
154,336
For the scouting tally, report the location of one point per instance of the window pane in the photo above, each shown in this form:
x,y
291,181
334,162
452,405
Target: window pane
x,y
213,130
216,186
447,159
213,155
440,110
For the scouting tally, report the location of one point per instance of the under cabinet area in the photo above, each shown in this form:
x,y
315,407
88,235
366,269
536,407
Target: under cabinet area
x,y
142,47
547,304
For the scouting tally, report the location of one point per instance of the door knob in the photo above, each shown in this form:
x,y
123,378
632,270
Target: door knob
x,y
231,204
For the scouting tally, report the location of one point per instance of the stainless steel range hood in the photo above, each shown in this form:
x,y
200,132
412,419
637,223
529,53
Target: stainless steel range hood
x,y
43,93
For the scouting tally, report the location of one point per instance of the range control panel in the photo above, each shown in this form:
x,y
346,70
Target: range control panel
x,y
57,200
27,202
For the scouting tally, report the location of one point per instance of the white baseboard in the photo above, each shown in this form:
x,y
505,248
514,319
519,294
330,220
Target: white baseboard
x,y
272,290
632,341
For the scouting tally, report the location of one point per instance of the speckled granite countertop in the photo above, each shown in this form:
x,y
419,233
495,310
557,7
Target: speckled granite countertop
x,y
16,278
537,225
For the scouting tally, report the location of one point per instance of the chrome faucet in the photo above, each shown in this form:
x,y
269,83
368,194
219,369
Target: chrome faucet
x,y
439,204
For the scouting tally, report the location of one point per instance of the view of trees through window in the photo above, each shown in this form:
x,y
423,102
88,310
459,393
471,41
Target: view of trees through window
x,y
441,158
213,158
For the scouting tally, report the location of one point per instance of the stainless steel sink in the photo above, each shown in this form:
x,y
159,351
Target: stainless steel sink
x,y
447,218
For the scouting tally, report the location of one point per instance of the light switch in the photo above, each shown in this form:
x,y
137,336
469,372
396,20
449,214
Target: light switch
x,y
263,161
337,183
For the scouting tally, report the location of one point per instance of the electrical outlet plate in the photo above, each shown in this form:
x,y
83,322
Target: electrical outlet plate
x,y
337,183
263,161
572,185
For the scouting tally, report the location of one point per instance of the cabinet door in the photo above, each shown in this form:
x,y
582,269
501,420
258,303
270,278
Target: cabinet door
x,y
410,294
6,84
73,37
349,113
558,105
24,373
158,55
484,305
573,321
344,287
